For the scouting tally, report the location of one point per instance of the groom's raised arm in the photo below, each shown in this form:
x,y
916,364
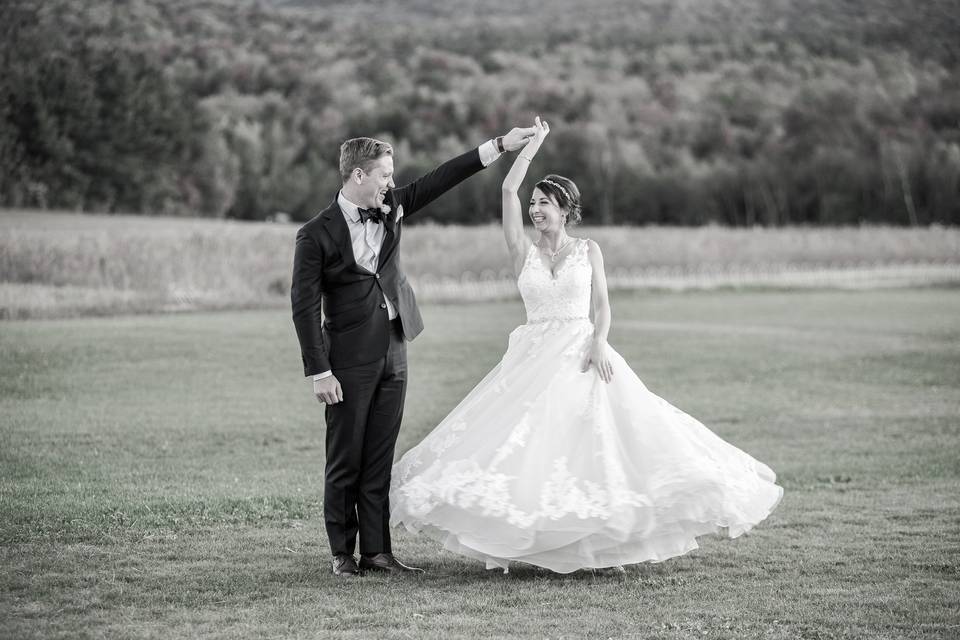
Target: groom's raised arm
x,y
427,188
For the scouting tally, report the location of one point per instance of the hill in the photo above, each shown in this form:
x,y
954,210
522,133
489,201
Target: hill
x,y
739,112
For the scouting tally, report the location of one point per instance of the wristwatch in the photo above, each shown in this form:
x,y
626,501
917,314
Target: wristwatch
x,y
500,144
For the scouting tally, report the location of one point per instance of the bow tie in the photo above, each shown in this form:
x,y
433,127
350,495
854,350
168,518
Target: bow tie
x,y
374,215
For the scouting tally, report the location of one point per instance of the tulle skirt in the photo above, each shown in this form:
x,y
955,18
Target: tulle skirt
x,y
547,465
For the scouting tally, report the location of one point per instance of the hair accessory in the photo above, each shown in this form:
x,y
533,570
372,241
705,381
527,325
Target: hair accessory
x,y
558,186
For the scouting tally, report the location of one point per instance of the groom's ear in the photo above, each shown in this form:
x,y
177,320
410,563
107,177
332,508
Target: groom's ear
x,y
357,175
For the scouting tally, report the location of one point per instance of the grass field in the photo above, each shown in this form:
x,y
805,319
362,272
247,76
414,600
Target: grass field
x,y
63,265
161,477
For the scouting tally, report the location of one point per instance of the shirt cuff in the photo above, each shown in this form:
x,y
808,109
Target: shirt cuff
x,y
321,376
488,152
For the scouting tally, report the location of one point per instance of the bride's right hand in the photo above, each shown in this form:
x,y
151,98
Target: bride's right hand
x,y
541,129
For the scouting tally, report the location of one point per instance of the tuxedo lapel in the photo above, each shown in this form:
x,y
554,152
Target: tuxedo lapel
x,y
389,239
336,226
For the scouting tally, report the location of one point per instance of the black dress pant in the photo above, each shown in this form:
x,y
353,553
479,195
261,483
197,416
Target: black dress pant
x,y
361,436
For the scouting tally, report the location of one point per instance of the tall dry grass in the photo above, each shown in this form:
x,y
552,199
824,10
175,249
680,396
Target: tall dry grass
x,y
62,264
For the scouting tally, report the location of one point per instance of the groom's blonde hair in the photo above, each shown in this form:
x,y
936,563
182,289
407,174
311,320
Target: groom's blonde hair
x,y
361,152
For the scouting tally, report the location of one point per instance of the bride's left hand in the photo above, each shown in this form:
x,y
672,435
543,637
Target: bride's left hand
x,y
597,356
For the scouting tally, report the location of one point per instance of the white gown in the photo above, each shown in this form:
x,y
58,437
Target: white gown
x,y
543,464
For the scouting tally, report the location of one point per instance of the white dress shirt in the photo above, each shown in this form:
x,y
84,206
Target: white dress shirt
x,y
367,237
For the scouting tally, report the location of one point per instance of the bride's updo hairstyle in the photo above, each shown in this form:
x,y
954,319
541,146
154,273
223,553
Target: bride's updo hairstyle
x,y
565,193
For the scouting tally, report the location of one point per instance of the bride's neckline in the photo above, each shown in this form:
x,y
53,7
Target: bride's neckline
x,y
567,252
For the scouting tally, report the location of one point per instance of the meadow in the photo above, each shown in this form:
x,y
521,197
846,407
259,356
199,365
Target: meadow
x,y
64,265
161,476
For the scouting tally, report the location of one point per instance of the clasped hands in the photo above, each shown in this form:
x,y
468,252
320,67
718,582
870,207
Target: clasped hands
x,y
518,137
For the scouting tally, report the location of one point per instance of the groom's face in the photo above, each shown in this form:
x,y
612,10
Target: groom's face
x,y
375,184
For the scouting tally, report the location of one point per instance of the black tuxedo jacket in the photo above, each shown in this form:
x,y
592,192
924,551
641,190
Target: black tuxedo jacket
x,y
338,309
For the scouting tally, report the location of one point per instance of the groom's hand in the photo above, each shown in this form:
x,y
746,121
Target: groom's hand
x,y
518,138
328,390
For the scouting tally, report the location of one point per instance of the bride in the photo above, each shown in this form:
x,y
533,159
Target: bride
x,y
560,457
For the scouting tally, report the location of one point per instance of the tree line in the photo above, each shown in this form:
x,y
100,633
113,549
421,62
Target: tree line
x,y
739,112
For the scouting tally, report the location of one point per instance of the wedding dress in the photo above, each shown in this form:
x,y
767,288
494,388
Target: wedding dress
x,y
544,464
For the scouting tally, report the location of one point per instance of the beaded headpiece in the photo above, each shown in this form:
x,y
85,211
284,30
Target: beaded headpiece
x,y
558,186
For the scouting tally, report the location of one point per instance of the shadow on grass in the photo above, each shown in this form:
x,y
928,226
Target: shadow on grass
x,y
444,571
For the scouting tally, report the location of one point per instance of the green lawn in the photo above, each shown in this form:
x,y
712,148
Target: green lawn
x,y
161,476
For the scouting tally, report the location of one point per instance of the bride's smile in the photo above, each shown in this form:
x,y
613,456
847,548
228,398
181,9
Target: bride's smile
x,y
544,213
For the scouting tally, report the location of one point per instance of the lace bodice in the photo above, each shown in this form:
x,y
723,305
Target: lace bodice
x,y
566,295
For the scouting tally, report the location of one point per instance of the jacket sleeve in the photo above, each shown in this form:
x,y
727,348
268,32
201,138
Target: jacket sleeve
x,y
427,188
305,296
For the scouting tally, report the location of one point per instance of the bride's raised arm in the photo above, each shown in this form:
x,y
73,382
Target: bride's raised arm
x,y
517,242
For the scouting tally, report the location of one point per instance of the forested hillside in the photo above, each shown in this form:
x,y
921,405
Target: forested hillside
x,y
740,112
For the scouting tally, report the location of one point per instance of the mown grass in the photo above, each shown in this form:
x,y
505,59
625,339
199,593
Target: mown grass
x,y
64,265
162,477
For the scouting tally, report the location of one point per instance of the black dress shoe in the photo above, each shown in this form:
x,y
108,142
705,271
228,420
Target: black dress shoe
x,y
344,565
387,563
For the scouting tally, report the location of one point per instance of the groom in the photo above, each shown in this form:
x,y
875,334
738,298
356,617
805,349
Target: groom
x,y
354,311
